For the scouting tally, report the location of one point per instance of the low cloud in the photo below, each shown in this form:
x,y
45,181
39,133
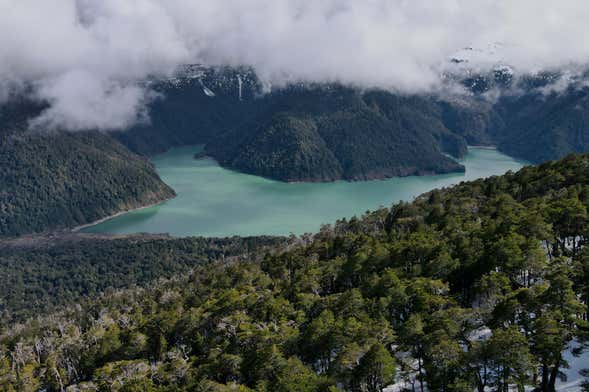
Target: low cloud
x,y
80,100
86,57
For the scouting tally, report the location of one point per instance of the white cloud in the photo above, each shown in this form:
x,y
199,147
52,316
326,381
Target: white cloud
x,y
80,100
85,56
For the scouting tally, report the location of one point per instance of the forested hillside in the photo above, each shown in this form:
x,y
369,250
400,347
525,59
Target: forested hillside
x,y
185,114
326,133
313,132
299,132
480,286
322,132
43,273
541,127
56,180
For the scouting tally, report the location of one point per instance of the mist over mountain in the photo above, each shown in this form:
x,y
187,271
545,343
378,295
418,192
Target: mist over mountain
x,y
86,59
318,132
310,131
300,91
479,284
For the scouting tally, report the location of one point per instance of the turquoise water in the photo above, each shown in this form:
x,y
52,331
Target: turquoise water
x,y
213,201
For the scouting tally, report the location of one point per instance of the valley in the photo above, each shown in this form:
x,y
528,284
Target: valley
x,y
299,133
294,196
473,240
457,273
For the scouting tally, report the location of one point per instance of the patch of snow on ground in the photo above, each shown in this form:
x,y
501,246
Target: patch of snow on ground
x,y
571,384
480,335
574,379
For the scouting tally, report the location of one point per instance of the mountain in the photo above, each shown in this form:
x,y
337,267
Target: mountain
x,y
481,286
538,117
189,112
325,132
299,132
549,126
59,180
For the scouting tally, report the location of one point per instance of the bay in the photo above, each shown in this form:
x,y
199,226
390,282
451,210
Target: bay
x,y
213,201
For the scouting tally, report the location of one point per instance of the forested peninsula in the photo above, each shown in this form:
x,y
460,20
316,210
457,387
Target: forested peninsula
x,y
59,180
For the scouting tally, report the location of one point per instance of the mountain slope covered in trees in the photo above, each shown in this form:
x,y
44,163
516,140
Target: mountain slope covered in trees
x,y
57,180
480,286
330,133
299,132
543,127
321,132
294,133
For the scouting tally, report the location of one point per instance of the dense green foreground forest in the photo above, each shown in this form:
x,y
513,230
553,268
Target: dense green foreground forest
x,y
482,285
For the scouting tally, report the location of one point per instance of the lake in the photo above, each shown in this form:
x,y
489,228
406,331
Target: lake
x,y
213,201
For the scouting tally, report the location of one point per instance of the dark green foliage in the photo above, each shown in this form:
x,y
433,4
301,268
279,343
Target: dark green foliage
x,y
331,132
326,132
287,148
186,115
404,291
543,127
40,274
375,370
58,180
300,133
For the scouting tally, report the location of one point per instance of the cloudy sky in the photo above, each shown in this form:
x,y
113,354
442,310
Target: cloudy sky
x,y
85,56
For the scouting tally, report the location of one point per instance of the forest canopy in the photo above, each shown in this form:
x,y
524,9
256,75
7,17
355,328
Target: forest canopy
x,y
480,286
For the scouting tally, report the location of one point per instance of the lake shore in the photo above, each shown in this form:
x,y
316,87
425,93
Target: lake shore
x,y
216,202
107,218
483,146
